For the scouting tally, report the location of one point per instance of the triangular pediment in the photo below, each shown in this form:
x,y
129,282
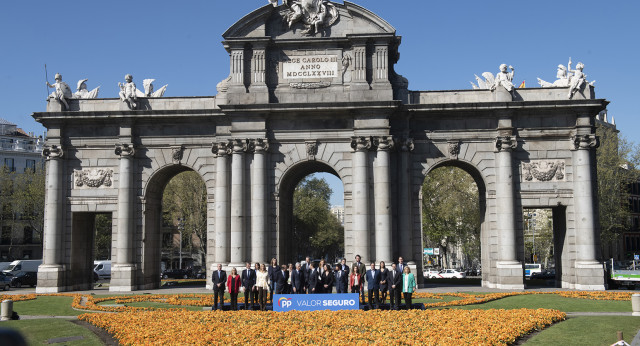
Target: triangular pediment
x,y
272,22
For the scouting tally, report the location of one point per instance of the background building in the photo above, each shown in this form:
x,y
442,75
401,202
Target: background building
x,y
338,211
19,152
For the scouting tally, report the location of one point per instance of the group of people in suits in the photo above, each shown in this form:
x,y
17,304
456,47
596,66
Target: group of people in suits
x,y
308,278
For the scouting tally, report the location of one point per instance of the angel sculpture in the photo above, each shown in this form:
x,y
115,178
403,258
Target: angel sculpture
x,y
148,89
314,14
83,93
504,78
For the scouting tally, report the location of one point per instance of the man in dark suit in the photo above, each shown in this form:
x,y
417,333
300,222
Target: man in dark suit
x,y
373,285
219,279
401,264
362,270
306,269
344,266
312,280
394,279
248,280
298,280
281,277
341,279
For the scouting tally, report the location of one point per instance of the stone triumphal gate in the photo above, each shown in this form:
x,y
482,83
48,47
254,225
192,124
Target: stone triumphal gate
x,y
309,95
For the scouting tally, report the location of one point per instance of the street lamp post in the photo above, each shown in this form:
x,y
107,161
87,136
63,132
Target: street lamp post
x,y
180,228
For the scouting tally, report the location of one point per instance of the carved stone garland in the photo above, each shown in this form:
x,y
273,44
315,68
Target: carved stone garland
x,y
543,170
93,178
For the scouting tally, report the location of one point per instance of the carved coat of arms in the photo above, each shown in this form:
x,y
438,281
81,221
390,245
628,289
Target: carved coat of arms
x,y
314,14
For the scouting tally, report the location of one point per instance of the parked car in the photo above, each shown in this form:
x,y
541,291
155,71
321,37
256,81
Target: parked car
x,y
450,274
25,279
177,274
430,273
5,281
545,275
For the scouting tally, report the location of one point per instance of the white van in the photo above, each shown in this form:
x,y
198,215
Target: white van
x,y
23,266
4,265
103,269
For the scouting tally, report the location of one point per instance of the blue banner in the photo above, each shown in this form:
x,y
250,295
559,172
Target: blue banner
x,y
315,302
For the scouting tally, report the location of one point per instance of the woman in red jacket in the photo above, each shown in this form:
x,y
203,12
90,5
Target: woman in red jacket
x,y
233,285
355,282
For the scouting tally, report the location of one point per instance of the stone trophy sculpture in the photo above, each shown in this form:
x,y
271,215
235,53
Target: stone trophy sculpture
x,y
128,92
314,14
148,89
83,93
62,91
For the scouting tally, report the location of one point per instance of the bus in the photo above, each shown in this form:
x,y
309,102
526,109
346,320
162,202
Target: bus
x,y
530,268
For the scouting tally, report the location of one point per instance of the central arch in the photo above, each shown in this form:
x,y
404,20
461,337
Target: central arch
x,y
151,234
285,189
485,253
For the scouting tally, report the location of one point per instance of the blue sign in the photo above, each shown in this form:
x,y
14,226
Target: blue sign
x,y
428,251
636,257
315,302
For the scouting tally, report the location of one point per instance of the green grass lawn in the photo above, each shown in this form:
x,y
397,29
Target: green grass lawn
x,y
46,306
588,330
37,332
551,301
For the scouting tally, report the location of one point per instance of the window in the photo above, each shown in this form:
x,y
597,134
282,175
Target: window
x,y
9,164
31,165
5,238
28,235
167,240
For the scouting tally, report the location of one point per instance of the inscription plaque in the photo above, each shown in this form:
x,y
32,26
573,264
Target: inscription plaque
x,y
312,66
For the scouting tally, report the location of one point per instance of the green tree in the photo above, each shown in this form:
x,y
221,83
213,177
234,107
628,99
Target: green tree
x,y
617,163
103,232
185,198
28,198
538,224
317,232
451,212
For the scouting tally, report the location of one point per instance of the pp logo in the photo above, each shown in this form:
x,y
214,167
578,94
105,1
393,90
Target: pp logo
x,y
284,302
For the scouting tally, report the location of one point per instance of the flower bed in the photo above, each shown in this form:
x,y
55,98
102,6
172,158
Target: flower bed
x,y
342,327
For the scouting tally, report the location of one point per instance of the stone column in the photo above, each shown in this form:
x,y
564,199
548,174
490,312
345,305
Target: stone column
x,y
404,201
51,272
509,269
361,216
505,199
122,276
222,207
259,202
589,272
237,203
583,198
382,200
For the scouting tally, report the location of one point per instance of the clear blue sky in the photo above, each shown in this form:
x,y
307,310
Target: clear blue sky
x,y
444,44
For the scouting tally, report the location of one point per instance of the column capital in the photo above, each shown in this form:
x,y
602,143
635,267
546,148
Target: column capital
x,y
52,151
221,148
125,150
360,143
585,142
506,143
384,143
240,146
259,145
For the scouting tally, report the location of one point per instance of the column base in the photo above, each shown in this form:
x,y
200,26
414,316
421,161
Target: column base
x,y
509,275
51,279
238,265
588,276
122,278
